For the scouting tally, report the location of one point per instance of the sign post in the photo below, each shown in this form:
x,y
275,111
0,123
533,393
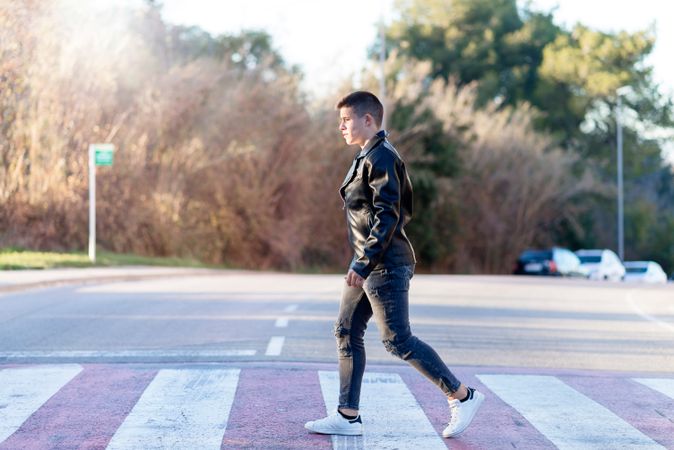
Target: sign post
x,y
99,155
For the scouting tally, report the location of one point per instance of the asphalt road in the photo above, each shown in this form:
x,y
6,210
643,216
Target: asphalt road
x,y
514,322
234,360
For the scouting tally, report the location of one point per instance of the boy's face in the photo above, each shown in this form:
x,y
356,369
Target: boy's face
x,y
355,130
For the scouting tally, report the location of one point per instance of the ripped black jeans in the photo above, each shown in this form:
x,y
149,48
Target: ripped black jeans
x,y
384,294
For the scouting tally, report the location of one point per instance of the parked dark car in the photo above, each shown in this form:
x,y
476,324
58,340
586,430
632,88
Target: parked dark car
x,y
555,261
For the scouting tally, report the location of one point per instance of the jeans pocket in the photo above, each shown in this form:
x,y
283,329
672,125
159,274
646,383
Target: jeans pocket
x,y
386,281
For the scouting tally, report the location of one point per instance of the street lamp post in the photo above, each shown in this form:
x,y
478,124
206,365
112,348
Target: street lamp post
x,y
619,144
382,67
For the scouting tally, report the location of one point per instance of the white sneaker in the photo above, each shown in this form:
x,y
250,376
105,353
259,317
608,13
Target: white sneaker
x,y
336,424
462,414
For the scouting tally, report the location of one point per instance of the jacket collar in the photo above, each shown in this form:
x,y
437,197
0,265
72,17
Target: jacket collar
x,y
376,139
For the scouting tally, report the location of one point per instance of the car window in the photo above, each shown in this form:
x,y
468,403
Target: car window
x,y
535,255
636,269
592,259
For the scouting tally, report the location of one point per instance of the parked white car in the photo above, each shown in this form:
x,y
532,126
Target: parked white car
x,y
644,272
602,264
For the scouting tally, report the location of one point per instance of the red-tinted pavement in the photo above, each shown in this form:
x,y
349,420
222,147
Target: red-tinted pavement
x,y
271,402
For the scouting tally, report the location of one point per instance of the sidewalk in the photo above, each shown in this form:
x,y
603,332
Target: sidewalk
x,y
17,280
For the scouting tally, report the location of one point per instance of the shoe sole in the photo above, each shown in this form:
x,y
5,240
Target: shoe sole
x,y
480,399
335,433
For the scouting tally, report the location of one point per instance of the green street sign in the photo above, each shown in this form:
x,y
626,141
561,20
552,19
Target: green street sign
x,y
103,154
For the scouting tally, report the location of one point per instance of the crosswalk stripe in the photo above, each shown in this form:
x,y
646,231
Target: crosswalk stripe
x,y
24,390
567,418
84,413
181,408
392,417
663,385
637,404
191,408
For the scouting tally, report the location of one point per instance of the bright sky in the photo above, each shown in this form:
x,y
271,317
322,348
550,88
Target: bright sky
x,y
329,39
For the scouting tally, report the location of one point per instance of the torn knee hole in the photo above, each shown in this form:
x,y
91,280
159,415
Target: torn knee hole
x,y
341,331
389,346
399,349
343,346
342,335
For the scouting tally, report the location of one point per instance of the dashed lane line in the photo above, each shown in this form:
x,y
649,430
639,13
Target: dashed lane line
x,y
275,346
281,322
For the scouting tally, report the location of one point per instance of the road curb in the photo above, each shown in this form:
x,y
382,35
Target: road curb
x,y
19,287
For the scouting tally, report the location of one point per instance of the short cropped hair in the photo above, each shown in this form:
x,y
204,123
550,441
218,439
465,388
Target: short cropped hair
x,y
363,102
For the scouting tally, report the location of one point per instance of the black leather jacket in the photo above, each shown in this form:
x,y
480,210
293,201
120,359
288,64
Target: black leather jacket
x,y
377,195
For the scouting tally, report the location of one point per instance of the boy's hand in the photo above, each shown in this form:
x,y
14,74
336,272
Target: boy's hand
x,y
354,280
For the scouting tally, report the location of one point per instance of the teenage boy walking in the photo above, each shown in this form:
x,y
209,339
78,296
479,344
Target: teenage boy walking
x,y
377,196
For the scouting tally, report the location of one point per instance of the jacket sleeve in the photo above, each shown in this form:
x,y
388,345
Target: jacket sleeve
x,y
384,183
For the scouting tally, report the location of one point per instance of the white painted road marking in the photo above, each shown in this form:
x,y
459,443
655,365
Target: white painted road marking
x,y
291,308
24,390
275,346
629,297
282,322
392,417
567,418
177,413
183,408
65,354
663,385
